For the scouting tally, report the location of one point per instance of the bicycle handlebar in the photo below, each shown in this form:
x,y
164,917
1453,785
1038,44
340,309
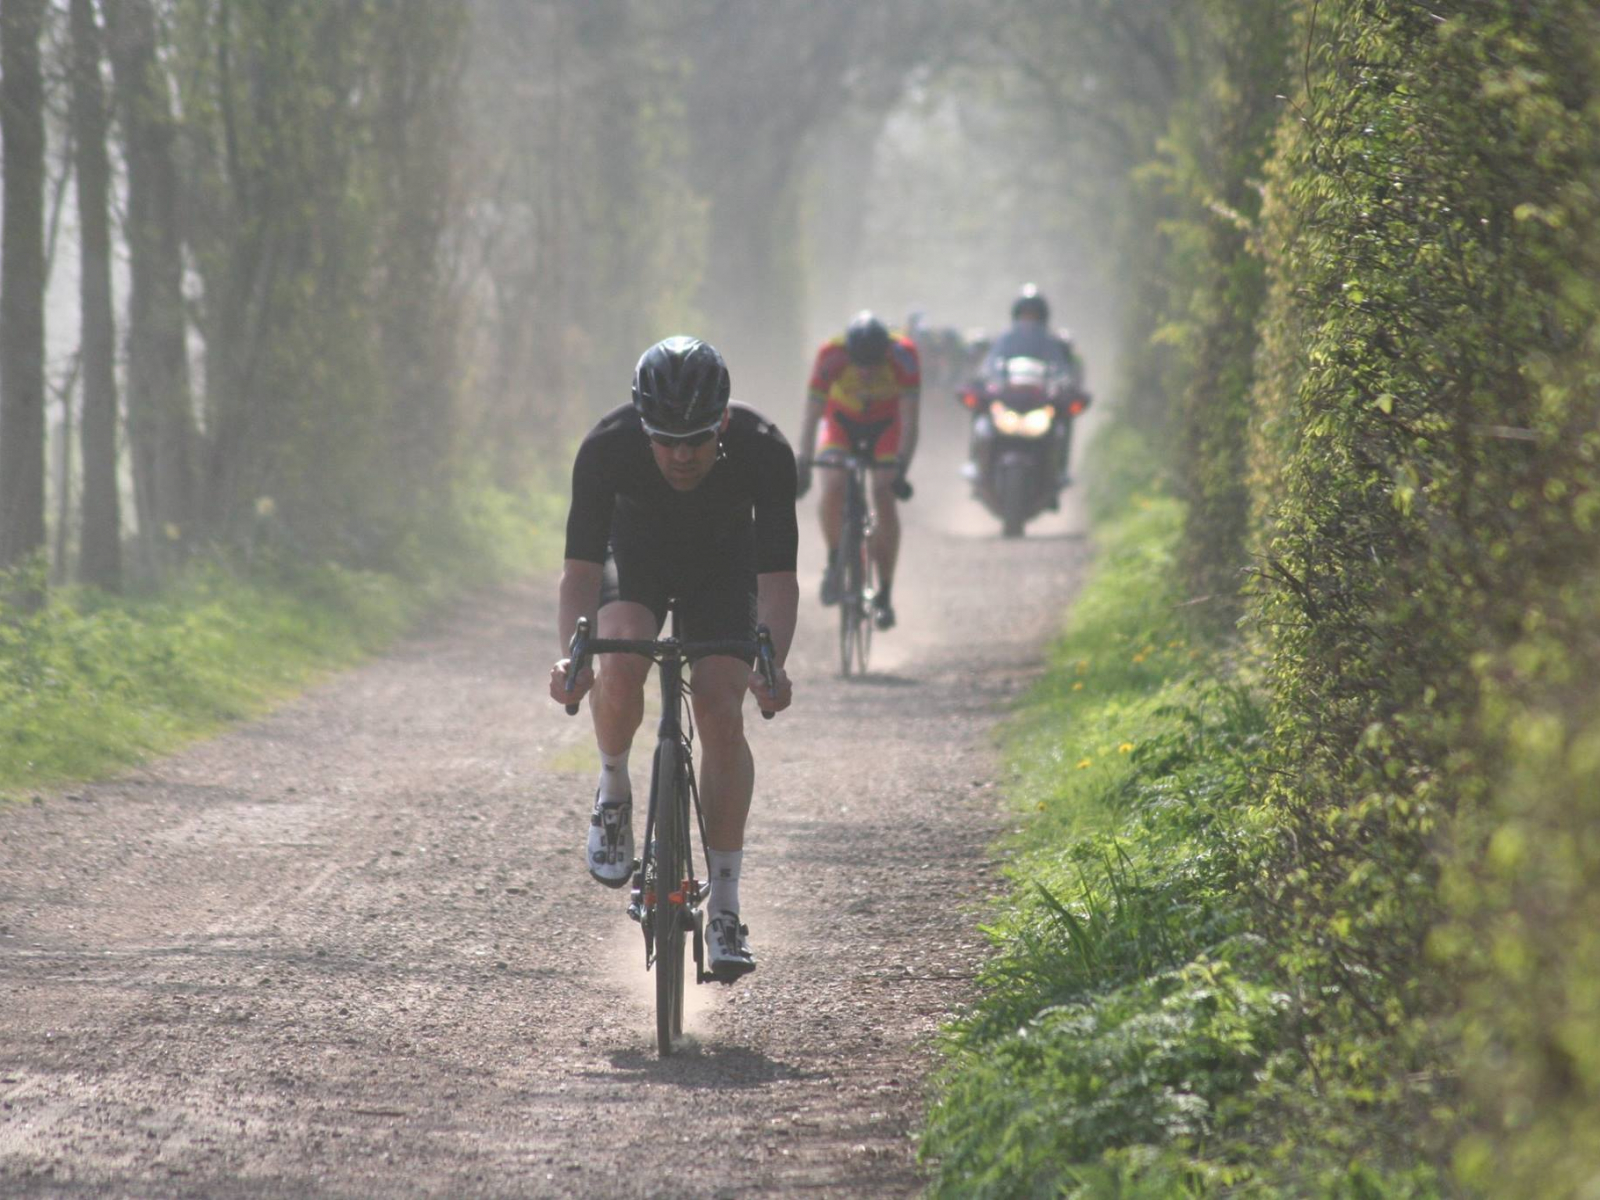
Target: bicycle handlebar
x,y
583,648
848,463
902,486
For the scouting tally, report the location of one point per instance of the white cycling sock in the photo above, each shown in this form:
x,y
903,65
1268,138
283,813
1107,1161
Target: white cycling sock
x,y
724,880
614,782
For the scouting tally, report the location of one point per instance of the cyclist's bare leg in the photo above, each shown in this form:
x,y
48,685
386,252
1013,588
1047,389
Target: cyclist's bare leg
x,y
727,772
617,701
830,507
886,523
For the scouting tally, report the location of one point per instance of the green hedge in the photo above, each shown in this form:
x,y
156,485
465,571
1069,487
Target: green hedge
x,y
1331,926
1427,498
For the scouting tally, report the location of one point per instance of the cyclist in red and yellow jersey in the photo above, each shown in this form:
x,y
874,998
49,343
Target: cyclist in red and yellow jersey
x,y
865,385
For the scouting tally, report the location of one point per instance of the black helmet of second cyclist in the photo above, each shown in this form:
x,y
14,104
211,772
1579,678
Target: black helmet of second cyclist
x,y
680,387
1030,303
866,340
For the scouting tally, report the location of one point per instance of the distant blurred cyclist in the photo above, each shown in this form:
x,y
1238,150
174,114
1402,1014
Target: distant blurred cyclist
x,y
867,380
1030,336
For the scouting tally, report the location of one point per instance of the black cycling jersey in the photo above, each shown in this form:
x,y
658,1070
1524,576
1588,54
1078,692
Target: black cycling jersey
x,y
744,508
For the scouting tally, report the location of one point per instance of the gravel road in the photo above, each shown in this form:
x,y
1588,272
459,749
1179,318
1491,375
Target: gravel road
x,y
351,949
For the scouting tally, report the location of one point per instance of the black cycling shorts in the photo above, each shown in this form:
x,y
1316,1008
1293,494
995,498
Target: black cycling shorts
x,y
716,598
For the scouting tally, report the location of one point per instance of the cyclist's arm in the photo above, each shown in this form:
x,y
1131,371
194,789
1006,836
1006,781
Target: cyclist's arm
x,y
815,403
907,365
588,528
777,538
579,596
910,408
777,603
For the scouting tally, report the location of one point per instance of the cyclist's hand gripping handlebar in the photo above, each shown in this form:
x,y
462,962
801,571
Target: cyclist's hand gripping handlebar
x,y
577,653
765,664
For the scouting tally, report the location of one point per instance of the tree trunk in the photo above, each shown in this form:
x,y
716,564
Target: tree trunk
x,y
100,553
21,283
160,416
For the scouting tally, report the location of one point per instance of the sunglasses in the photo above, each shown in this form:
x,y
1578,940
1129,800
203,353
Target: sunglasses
x,y
668,440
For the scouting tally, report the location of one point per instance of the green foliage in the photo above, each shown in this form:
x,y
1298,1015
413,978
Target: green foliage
x,y
90,682
1121,1022
1428,407
1211,164
1387,381
87,684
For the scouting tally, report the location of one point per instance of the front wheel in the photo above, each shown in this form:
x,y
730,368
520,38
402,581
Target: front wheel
x,y
1012,490
849,592
855,600
670,912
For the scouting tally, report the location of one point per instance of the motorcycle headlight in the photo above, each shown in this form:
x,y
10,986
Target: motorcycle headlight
x,y
1031,424
1038,422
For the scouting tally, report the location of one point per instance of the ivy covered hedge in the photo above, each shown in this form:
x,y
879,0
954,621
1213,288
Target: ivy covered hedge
x,y
1426,487
1384,301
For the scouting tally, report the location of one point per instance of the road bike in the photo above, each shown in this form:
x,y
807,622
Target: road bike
x,y
666,896
858,573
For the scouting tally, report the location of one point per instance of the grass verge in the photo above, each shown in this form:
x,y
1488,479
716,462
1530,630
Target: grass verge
x,y
90,682
1120,1028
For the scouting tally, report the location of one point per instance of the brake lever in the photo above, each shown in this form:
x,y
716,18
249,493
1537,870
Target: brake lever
x,y
577,651
768,672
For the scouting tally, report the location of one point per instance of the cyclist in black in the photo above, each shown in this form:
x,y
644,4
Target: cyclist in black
x,y
681,495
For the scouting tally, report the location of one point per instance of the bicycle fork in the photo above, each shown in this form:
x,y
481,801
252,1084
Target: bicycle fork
x,y
684,895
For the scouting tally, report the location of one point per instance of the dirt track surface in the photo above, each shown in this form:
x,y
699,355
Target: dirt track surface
x,y
351,950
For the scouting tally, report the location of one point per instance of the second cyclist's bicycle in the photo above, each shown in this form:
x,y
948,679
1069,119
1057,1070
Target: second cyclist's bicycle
x,y
858,572
666,895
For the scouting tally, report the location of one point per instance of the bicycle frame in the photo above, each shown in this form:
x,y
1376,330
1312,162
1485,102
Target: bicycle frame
x,y
668,908
855,554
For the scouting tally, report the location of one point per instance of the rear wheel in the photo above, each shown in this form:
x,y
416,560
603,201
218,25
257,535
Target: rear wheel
x,y
670,914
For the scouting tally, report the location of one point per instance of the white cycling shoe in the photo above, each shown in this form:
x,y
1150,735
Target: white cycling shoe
x,y
728,951
610,851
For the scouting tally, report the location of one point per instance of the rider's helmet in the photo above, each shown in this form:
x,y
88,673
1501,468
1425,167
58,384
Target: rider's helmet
x,y
680,387
1030,303
866,340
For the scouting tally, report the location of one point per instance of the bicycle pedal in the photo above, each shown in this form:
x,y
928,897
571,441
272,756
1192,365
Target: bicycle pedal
x,y
729,973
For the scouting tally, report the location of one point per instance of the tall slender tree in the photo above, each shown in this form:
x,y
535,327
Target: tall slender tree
x,y
22,278
160,416
100,553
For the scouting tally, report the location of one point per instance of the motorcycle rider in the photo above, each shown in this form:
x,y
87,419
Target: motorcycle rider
x,y
1030,336
867,377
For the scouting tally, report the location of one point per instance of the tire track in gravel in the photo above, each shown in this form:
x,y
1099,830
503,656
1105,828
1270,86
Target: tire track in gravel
x,y
351,949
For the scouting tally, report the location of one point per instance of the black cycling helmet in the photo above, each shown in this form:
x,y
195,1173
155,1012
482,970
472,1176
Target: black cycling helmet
x,y
680,387
866,340
1030,303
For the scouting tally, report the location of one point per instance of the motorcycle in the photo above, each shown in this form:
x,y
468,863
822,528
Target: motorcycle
x,y
1023,411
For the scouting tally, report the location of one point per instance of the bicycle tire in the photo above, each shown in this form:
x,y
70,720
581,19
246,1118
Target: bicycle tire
x,y
669,917
864,611
849,591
